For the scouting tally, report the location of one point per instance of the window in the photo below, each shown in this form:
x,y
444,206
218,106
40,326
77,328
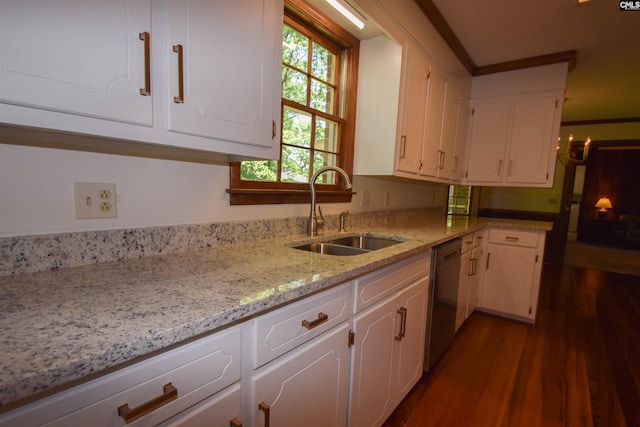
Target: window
x,y
319,69
459,202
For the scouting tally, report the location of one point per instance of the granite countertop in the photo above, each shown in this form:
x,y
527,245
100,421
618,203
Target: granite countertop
x,y
61,326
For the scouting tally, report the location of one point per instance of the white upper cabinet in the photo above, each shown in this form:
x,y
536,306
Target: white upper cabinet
x,y
432,158
410,121
76,57
413,110
515,125
196,75
487,147
213,44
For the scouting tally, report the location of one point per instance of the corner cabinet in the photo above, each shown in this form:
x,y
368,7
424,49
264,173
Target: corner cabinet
x,y
512,273
513,140
471,273
189,74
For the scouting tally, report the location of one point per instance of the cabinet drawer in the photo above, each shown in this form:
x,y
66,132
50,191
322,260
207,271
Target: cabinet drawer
x,y
478,237
468,242
197,370
375,286
284,329
510,236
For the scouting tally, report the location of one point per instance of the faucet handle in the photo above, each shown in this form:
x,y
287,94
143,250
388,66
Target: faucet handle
x,y
343,216
320,221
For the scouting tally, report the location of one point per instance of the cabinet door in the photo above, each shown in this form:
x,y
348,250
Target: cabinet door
x,y
456,163
475,278
225,81
433,154
307,387
77,57
217,410
466,270
509,279
488,142
372,378
414,104
532,140
410,348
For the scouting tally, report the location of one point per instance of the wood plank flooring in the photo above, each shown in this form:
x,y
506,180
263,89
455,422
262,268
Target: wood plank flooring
x,y
579,366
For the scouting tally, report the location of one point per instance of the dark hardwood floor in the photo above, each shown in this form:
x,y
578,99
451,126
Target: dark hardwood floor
x,y
579,366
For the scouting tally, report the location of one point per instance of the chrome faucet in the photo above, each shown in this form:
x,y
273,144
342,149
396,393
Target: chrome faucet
x,y
312,228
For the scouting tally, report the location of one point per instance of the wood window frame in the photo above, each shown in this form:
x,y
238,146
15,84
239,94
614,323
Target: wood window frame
x,y
257,192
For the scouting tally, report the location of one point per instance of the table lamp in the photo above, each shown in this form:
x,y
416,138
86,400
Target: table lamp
x,y
603,203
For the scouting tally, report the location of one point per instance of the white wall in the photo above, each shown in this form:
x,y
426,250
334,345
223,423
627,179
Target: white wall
x,y
37,192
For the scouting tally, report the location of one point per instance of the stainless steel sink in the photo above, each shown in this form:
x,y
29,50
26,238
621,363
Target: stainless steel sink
x,y
331,249
365,242
353,245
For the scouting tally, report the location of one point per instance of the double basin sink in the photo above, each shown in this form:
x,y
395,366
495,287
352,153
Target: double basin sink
x,y
352,245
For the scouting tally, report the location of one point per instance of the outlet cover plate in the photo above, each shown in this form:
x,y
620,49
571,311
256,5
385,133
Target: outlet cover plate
x,y
95,200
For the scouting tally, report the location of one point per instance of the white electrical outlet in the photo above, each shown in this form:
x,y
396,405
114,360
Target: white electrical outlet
x,y
95,200
366,199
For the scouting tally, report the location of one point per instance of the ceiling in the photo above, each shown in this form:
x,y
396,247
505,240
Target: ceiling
x,y
605,83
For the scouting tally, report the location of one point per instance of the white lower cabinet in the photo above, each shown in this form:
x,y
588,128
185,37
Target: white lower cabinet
x,y
471,272
388,353
222,409
147,393
512,273
307,387
344,356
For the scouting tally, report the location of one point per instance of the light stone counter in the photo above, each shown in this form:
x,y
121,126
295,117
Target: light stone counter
x,y
61,326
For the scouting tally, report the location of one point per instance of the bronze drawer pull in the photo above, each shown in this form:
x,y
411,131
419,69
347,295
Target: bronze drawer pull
x,y
169,393
314,323
235,423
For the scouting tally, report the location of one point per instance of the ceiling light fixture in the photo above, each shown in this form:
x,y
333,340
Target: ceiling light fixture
x,y
348,12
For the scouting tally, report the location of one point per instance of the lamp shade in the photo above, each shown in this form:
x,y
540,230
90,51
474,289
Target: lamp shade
x,y
604,203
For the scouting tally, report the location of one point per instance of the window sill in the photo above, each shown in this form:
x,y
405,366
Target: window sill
x,y
240,196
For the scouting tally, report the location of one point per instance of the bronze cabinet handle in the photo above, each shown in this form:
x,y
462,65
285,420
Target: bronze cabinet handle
x,y
403,323
235,423
266,409
317,322
403,140
169,393
146,90
179,50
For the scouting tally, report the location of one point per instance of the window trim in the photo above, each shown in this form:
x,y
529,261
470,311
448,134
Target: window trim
x,y
256,192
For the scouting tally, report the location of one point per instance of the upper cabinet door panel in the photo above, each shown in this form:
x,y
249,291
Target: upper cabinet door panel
x,y
532,140
413,109
432,155
231,60
489,136
76,56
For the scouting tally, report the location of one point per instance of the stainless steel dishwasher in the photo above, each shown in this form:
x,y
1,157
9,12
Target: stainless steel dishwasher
x,y
441,323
